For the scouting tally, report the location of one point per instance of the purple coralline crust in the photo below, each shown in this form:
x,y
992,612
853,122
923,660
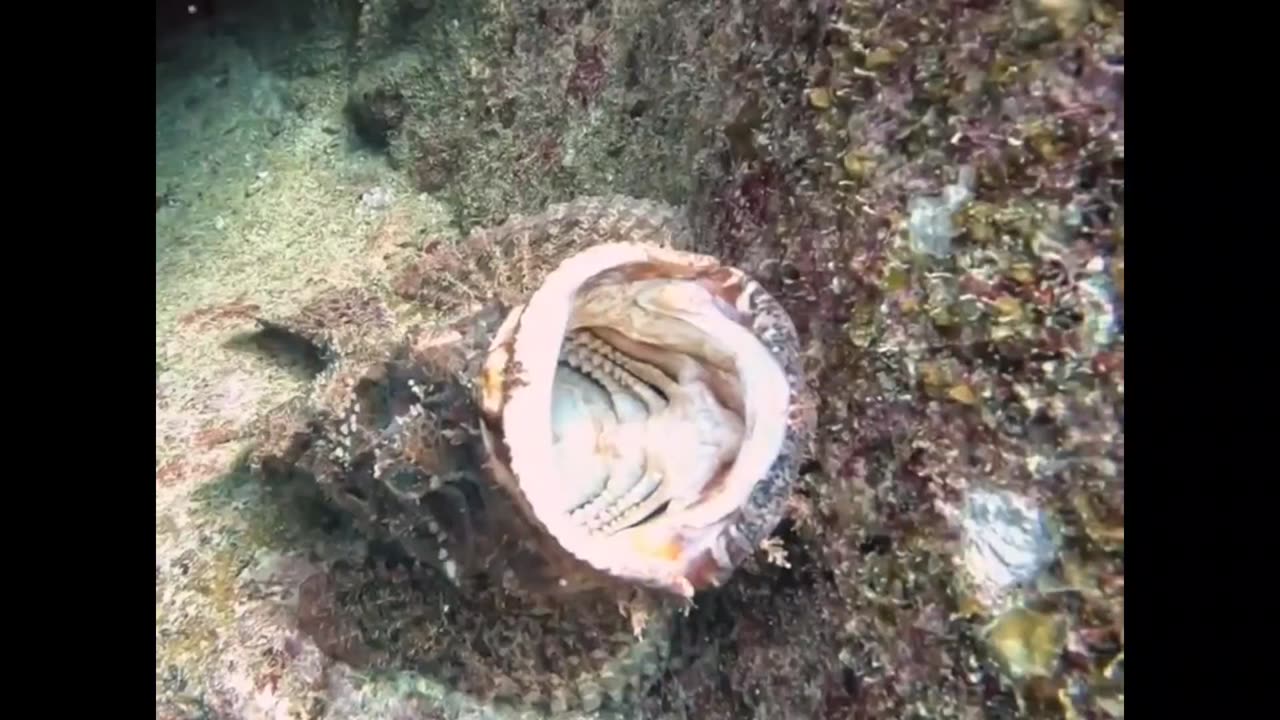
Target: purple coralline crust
x,y
999,365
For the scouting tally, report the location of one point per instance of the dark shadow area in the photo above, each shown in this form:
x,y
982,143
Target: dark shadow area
x,y
382,613
181,21
281,348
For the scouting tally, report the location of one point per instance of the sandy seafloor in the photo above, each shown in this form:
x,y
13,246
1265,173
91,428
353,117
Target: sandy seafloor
x,y
265,197
260,189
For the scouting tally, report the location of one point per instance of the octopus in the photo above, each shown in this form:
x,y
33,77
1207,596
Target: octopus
x,y
603,425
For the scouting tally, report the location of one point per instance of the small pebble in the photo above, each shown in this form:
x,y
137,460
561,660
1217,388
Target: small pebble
x,y
1028,643
1008,540
376,198
592,698
929,217
820,98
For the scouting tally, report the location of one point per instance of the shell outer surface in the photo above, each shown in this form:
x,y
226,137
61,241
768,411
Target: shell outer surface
x,y
698,540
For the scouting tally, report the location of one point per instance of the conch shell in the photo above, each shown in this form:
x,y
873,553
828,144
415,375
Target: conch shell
x,y
616,426
645,409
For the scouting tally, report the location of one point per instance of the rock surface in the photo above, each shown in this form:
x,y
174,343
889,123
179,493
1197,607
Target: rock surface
x,y
795,134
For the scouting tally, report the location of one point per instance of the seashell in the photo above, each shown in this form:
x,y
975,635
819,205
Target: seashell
x,y
644,409
641,413
471,442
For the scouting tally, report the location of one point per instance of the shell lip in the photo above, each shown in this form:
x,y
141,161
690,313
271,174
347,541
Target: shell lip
x,y
682,550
